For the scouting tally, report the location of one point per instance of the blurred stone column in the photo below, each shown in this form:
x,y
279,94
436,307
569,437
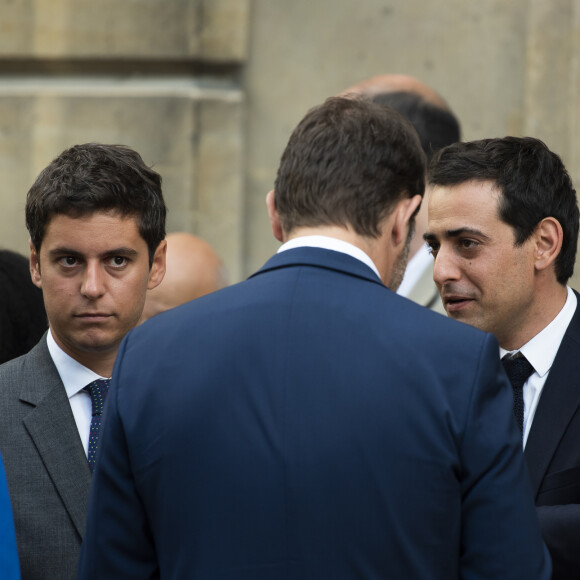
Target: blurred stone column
x,y
552,91
161,76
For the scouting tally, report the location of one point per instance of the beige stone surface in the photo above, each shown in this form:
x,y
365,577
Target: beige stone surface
x,y
219,212
300,52
162,121
155,29
217,133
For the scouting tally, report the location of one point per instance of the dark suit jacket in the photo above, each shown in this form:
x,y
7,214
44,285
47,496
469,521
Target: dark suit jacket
x,y
553,456
46,466
285,428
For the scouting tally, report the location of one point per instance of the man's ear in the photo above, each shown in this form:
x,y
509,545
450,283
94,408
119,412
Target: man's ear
x,y
157,270
548,239
274,217
35,266
404,210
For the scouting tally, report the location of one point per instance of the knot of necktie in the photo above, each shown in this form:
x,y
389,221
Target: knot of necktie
x,y
98,391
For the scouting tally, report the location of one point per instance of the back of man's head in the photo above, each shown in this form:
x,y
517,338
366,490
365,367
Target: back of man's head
x,y
22,316
193,269
95,177
347,163
436,127
532,181
426,109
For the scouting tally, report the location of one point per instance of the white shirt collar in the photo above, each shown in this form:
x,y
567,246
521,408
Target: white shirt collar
x,y
542,349
329,243
73,374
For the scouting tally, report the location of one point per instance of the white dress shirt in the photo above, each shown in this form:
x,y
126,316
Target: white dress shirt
x,y
541,352
329,243
421,260
75,377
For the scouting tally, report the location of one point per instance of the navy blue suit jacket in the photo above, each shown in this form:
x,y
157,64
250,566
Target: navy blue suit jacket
x,y
553,456
310,424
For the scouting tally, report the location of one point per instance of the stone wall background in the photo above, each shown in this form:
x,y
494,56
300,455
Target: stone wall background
x,y
208,91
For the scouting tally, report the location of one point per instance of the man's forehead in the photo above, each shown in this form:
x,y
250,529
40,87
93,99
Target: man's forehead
x,y
103,227
468,198
467,207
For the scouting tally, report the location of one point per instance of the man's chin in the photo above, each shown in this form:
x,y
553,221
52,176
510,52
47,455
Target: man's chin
x,y
97,342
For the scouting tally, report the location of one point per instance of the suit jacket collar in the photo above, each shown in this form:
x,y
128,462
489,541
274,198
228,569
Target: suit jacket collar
x,y
53,430
321,258
558,403
39,364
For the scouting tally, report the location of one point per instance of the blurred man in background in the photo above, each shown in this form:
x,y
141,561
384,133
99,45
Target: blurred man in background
x,y
437,127
193,269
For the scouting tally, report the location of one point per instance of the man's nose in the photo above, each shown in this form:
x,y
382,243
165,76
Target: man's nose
x,y
445,267
93,281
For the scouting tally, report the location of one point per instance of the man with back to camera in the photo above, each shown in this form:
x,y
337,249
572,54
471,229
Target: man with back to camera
x,y
503,229
437,127
96,219
284,426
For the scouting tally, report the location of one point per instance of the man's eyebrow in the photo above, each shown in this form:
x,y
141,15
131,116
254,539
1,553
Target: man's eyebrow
x,y
122,251
60,250
430,237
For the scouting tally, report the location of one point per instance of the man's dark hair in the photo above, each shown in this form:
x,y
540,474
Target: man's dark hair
x,y
435,126
347,163
95,177
22,316
532,181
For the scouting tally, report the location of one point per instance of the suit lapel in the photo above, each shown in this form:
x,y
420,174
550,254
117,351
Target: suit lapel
x,y
52,427
558,403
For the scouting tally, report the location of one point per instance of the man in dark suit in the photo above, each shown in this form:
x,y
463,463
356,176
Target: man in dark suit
x,y
285,428
96,219
503,228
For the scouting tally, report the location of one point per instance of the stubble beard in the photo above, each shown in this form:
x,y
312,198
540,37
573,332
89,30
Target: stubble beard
x,y
401,263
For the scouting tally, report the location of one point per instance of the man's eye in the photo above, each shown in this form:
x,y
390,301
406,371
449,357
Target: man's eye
x,y
118,261
468,244
69,261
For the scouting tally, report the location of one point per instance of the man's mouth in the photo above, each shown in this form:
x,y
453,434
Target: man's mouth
x,y
454,303
93,316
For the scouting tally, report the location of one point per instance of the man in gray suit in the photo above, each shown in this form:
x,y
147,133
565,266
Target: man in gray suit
x,y
96,219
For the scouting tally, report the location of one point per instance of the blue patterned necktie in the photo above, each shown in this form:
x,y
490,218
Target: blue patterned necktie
x,y
518,370
98,391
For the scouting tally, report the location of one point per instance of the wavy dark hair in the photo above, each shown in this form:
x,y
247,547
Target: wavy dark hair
x,y
532,181
347,163
23,319
96,177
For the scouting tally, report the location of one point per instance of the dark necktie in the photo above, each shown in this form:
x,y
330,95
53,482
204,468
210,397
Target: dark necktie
x,y
98,391
518,370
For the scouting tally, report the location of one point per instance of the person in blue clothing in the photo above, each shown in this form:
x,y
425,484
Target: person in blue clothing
x,y
9,568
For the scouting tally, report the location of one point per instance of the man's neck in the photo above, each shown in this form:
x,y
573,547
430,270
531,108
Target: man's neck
x,y
370,246
546,307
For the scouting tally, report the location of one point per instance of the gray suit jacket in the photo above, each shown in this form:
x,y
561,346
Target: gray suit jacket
x,y
46,466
